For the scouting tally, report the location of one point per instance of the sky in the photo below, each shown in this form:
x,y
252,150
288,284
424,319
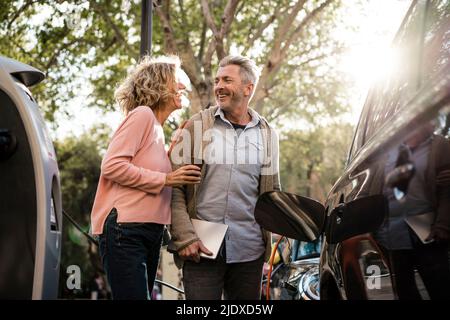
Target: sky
x,y
368,58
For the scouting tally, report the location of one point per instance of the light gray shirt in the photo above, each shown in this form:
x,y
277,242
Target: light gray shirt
x,y
229,191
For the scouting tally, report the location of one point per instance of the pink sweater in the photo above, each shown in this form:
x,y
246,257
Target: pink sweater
x,y
133,173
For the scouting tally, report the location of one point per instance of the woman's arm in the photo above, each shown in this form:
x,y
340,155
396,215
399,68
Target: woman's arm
x,y
128,139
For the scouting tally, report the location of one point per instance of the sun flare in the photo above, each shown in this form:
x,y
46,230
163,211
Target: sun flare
x,y
370,56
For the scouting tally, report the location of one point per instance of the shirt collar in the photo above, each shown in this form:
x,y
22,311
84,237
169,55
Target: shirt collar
x,y
253,114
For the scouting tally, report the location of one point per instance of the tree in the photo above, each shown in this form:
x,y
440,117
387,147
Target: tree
x,y
310,161
80,45
89,44
290,39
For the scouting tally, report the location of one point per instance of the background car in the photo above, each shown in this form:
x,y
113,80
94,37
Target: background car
x,y
295,272
397,170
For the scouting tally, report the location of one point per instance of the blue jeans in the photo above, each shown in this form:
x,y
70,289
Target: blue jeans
x,y
130,256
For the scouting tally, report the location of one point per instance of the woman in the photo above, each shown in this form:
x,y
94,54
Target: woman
x,y
132,203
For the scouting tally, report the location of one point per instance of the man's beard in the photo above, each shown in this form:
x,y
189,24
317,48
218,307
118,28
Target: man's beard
x,y
235,100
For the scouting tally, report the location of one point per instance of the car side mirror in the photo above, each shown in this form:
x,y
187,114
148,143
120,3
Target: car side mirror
x,y
363,215
290,215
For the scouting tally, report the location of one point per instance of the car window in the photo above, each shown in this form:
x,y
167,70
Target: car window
x,y
391,94
358,137
437,39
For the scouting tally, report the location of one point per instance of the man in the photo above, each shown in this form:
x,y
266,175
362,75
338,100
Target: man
x,y
240,164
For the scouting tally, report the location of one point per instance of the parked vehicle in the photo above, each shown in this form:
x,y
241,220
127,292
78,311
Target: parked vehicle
x,y
295,274
30,199
396,184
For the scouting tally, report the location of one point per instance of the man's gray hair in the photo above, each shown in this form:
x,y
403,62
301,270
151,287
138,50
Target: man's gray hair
x,y
249,71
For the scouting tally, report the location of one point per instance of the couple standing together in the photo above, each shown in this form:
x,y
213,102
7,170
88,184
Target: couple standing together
x,y
224,158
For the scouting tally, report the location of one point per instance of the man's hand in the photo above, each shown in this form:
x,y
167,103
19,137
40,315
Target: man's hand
x,y
192,252
439,235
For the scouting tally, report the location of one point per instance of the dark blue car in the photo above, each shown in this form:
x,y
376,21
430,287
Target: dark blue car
x,y
386,221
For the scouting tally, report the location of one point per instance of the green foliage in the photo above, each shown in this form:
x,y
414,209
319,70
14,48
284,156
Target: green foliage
x,y
299,78
310,161
80,45
87,46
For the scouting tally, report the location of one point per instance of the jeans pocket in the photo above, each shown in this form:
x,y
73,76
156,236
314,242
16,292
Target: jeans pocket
x,y
105,240
111,229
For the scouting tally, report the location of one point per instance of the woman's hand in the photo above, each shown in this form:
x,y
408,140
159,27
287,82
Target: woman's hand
x,y
189,174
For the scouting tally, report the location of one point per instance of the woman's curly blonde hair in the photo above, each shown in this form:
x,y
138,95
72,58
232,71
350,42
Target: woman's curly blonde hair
x,y
151,83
